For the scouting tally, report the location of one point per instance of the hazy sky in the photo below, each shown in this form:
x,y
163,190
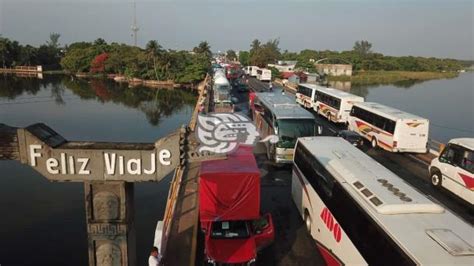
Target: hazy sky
x,y
426,28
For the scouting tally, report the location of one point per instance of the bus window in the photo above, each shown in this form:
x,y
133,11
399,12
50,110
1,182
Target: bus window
x,y
291,129
467,162
452,155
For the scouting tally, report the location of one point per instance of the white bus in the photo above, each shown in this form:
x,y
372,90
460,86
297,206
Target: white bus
x,y
361,213
305,94
277,114
454,168
251,70
264,74
389,128
221,87
334,104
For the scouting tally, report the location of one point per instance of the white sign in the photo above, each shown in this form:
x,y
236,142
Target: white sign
x,y
114,163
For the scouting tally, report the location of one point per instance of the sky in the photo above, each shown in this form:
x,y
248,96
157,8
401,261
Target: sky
x,y
419,28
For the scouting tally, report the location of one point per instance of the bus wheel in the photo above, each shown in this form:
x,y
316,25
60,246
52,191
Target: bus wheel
x,y
307,221
436,179
374,142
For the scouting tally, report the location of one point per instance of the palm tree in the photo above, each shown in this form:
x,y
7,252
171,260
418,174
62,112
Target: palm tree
x,y
203,48
153,50
255,45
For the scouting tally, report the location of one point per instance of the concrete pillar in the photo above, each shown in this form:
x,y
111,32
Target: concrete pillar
x,y
110,223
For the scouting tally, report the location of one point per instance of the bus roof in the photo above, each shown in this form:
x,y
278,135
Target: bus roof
x,y
334,92
386,111
283,106
426,231
465,142
311,86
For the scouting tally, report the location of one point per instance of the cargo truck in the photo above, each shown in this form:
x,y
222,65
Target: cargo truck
x,y
229,210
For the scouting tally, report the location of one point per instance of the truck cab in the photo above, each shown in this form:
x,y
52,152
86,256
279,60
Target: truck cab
x,y
237,242
454,168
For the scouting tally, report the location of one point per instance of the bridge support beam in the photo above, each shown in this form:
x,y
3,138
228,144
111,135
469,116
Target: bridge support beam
x,y
110,223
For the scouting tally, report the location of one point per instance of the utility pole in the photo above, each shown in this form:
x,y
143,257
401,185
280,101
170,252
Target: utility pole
x,y
134,26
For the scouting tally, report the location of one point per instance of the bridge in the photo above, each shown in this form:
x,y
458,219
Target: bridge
x,y
109,171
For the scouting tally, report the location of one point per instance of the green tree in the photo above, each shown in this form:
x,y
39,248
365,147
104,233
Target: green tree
x,y
275,73
231,55
244,57
53,40
203,48
363,48
154,50
261,55
306,65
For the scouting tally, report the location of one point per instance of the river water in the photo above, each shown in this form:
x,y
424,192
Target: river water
x,y
43,223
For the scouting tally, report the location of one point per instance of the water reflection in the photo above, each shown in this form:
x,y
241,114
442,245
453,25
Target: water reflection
x,y
154,103
49,217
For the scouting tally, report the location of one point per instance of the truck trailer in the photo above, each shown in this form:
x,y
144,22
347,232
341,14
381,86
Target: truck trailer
x,y
229,209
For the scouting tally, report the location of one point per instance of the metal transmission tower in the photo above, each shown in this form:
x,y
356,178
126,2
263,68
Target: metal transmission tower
x,y
134,26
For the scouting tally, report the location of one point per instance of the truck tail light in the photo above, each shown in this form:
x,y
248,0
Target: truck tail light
x,y
395,144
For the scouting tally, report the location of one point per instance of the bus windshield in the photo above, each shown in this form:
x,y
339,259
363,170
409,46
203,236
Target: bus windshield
x,y
291,129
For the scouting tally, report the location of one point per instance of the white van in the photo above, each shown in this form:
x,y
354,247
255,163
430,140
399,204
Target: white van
x,y
454,168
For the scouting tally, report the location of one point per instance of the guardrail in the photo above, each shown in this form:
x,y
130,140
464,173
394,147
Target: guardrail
x,y
177,181
435,147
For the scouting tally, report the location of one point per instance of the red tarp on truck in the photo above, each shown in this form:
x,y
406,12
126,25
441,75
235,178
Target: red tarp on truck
x,y
230,189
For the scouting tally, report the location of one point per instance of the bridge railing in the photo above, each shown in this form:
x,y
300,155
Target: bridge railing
x,y
435,146
175,186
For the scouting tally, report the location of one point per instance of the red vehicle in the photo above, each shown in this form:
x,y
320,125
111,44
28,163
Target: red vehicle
x,y
229,209
232,72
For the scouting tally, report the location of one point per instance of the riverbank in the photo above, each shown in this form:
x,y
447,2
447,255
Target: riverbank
x,y
388,77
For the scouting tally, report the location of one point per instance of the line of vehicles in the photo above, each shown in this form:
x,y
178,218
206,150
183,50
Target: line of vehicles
x,y
395,131
357,211
385,127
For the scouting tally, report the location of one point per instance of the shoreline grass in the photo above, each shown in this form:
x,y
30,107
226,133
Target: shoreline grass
x,y
386,77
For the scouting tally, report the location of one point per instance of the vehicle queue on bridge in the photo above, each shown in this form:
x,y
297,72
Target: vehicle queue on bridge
x,y
341,192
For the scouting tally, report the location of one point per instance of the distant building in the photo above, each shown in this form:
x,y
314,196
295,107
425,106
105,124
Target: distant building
x,y
334,69
312,77
294,77
284,66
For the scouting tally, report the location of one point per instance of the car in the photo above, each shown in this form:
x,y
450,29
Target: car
x,y
352,137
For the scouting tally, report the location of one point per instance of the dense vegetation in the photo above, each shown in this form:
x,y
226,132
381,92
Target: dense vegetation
x,y
361,57
392,77
99,57
153,62
14,54
156,63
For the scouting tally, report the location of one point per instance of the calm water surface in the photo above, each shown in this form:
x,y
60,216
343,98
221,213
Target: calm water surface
x,y
447,103
43,223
